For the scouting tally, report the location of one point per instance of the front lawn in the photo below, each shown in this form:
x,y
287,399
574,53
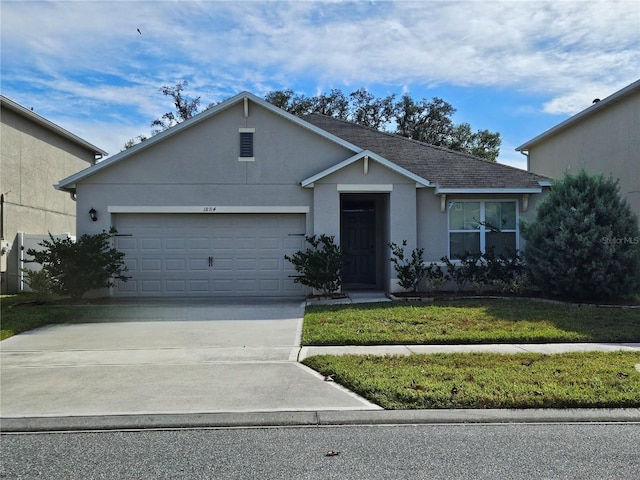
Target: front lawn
x,y
481,380
467,322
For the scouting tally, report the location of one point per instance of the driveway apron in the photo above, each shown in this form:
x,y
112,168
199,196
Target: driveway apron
x,y
161,356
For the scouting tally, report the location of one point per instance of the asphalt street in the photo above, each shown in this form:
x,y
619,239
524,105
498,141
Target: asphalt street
x,y
502,451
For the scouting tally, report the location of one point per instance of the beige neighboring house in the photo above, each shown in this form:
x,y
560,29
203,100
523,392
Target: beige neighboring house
x,y
604,138
34,154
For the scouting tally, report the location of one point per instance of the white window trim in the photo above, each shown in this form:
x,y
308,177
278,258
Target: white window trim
x,y
363,188
482,230
247,130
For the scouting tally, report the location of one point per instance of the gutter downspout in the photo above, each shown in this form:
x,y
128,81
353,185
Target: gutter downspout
x,y
21,263
1,216
526,154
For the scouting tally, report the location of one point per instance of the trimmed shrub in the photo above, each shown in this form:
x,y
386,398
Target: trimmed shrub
x,y
410,271
320,267
41,284
506,273
584,241
470,270
487,271
75,268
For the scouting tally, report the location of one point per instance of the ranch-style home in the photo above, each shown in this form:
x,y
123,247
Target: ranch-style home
x,y
211,206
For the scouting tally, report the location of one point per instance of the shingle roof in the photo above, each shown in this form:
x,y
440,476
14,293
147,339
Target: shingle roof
x,y
446,168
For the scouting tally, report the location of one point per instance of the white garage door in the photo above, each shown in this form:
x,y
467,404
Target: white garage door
x,y
209,254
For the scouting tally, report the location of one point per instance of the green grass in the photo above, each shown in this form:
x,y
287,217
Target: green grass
x,y
467,322
18,315
571,380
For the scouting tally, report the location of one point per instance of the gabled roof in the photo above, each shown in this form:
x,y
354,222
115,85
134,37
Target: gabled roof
x,y
68,184
358,156
49,125
594,109
446,170
449,171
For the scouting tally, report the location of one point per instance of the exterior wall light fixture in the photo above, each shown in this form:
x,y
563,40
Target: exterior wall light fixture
x,y
93,214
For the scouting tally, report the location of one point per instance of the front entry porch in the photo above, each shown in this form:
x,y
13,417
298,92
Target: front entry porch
x,y
363,237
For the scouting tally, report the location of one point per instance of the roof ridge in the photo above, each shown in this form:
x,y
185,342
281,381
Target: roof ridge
x,y
418,142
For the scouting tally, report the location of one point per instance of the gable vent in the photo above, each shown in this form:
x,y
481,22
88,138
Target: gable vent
x,y
246,143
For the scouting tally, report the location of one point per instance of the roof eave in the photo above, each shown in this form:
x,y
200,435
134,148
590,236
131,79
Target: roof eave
x,y
48,124
510,190
587,112
309,182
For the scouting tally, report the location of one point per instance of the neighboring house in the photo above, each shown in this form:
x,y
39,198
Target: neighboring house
x,y
34,154
604,138
212,205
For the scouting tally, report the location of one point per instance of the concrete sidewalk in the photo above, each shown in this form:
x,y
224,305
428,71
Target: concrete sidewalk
x,y
546,348
176,364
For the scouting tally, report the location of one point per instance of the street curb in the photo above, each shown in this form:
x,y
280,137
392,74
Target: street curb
x,y
316,418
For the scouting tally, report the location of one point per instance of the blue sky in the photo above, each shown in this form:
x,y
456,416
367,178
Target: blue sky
x,y
516,67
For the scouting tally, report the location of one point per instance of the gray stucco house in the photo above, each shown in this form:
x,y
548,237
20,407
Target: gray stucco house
x,y
34,154
603,138
211,206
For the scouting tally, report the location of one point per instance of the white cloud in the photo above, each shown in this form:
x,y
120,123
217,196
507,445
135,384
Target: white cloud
x,y
89,56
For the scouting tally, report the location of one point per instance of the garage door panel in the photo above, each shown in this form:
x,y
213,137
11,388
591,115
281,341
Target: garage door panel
x,y
150,287
126,243
293,243
151,244
199,264
223,245
199,286
245,243
201,243
176,286
131,263
175,244
169,254
223,265
175,265
151,265
270,285
269,243
246,285
222,286
269,265
244,264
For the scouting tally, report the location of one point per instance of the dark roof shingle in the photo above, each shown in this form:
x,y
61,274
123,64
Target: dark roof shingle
x,y
446,168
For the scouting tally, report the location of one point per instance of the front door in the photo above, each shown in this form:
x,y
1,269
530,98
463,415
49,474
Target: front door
x,y
359,242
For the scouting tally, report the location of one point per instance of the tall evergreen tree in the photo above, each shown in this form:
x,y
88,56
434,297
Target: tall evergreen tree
x,y
585,242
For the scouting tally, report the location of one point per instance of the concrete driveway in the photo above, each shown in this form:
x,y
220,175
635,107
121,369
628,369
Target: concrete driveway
x,y
161,357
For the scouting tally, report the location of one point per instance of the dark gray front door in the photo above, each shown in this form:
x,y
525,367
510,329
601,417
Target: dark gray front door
x,y
359,242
